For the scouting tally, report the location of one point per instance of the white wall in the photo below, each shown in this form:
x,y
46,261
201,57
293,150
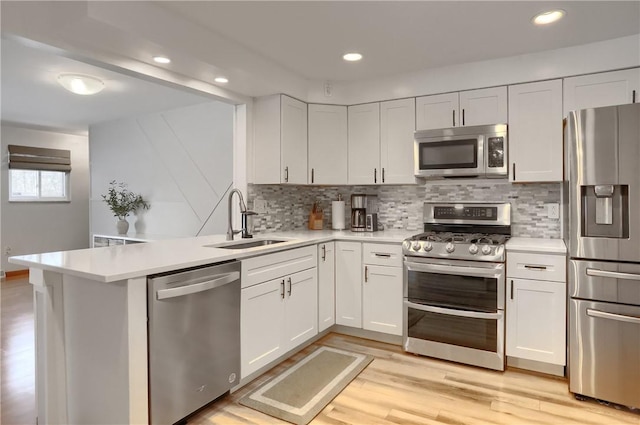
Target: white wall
x,y
34,227
180,161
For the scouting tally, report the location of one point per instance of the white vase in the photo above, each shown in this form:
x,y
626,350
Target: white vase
x,y
123,226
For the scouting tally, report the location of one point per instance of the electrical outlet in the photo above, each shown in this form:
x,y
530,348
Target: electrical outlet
x,y
7,251
260,206
553,210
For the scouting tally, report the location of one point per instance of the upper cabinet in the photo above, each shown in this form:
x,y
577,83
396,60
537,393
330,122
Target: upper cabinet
x,y
327,144
535,132
472,107
381,142
604,89
280,140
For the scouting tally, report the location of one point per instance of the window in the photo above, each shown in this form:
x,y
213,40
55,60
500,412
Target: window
x,y
38,185
38,174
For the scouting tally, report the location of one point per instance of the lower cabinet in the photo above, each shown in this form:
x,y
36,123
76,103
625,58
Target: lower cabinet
x,y
536,314
382,299
281,313
349,284
326,285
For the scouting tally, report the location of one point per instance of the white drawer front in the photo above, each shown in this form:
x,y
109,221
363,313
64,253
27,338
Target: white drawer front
x,y
537,266
382,254
272,266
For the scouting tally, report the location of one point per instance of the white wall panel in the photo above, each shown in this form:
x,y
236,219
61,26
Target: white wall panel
x,y
181,161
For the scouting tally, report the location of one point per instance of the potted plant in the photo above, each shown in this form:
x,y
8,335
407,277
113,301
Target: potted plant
x,y
123,202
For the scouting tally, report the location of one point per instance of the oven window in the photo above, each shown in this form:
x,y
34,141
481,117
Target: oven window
x,y
449,154
481,334
453,291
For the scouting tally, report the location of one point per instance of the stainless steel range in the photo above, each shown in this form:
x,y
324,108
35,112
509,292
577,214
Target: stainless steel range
x,y
454,284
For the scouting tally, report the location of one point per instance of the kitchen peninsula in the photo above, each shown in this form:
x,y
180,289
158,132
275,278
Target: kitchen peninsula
x,y
91,318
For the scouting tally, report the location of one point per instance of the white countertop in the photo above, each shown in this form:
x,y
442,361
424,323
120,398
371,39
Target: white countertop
x,y
545,246
110,264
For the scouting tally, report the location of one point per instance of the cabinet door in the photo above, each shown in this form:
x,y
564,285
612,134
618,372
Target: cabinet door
x,y
397,124
294,141
605,89
349,284
364,144
437,111
382,299
261,325
483,106
535,132
326,285
266,140
301,307
536,317
327,144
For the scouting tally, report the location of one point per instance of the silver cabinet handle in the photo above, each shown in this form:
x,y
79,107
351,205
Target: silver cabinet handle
x,y
614,275
514,171
282,289
612,316
463,117
530,267
377,254
383,175
366,273
324,253
312,175
286,174
633,96
289,281
454,117
375,175
198,287
451,312
511,289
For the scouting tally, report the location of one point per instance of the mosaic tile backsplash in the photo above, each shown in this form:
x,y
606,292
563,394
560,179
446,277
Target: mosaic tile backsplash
x,y
400,206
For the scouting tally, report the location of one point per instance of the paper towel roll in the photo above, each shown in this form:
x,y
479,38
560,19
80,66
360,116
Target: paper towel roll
x,y
337,215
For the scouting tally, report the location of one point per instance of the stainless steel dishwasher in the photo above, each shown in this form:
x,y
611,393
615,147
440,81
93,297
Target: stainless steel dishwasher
x,y
194,339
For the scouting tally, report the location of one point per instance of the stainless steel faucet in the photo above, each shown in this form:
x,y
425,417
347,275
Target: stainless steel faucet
x,y
245,218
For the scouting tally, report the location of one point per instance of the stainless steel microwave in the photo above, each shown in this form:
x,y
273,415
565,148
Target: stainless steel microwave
x,y
474,151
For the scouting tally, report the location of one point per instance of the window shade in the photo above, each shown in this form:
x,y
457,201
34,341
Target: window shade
x,y
29,158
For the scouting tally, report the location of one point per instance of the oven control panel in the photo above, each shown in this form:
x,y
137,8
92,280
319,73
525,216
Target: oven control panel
x,y
462,212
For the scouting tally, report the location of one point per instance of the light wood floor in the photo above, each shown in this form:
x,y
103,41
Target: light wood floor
x,y
396,388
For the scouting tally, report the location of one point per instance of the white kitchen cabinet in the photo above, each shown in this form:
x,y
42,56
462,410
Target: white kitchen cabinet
x,y
364,144
326,285
536,309
603,89
382,299
381,142
280,140
327,144
466,108
349,284
535,132
397,125
279,305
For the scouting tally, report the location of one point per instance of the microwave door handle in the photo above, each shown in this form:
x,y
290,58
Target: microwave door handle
x,y
482,153
452,312
457,270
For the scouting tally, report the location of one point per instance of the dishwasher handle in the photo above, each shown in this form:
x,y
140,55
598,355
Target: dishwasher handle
x,y
198,287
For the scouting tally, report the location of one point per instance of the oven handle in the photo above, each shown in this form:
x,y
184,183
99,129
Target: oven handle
x,y
614,275
459,270
612,316
450,312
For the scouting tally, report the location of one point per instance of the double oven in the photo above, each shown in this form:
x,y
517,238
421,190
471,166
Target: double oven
x,y
454,284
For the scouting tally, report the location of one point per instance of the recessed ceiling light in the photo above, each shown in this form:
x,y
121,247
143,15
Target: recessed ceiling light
x,y
81,84
352,57
161,59
549,17
221,80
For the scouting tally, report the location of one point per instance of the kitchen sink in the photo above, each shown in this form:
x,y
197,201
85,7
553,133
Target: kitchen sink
x,y
245,245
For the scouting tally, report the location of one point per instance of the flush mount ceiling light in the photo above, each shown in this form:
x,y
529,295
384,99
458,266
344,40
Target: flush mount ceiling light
x,y
549,17
352,57
161,59
81,84
221,80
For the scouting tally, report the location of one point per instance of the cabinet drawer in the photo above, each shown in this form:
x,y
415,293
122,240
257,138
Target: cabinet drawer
x,y
382,254
537,266
272,266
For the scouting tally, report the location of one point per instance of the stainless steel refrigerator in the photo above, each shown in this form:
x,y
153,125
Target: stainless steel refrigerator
x,y
603,193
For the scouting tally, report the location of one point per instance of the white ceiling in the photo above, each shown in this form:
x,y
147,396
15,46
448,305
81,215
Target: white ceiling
x,y
262,45
31,94
309,37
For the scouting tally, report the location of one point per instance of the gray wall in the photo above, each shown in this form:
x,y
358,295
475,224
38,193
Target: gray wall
x,y
401,205
180,161
34,227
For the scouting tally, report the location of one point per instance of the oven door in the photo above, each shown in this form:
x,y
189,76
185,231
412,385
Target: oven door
x,y
449,156
454,310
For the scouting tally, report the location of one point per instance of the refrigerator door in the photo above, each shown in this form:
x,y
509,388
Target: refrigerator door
x,y
603,148
604,360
